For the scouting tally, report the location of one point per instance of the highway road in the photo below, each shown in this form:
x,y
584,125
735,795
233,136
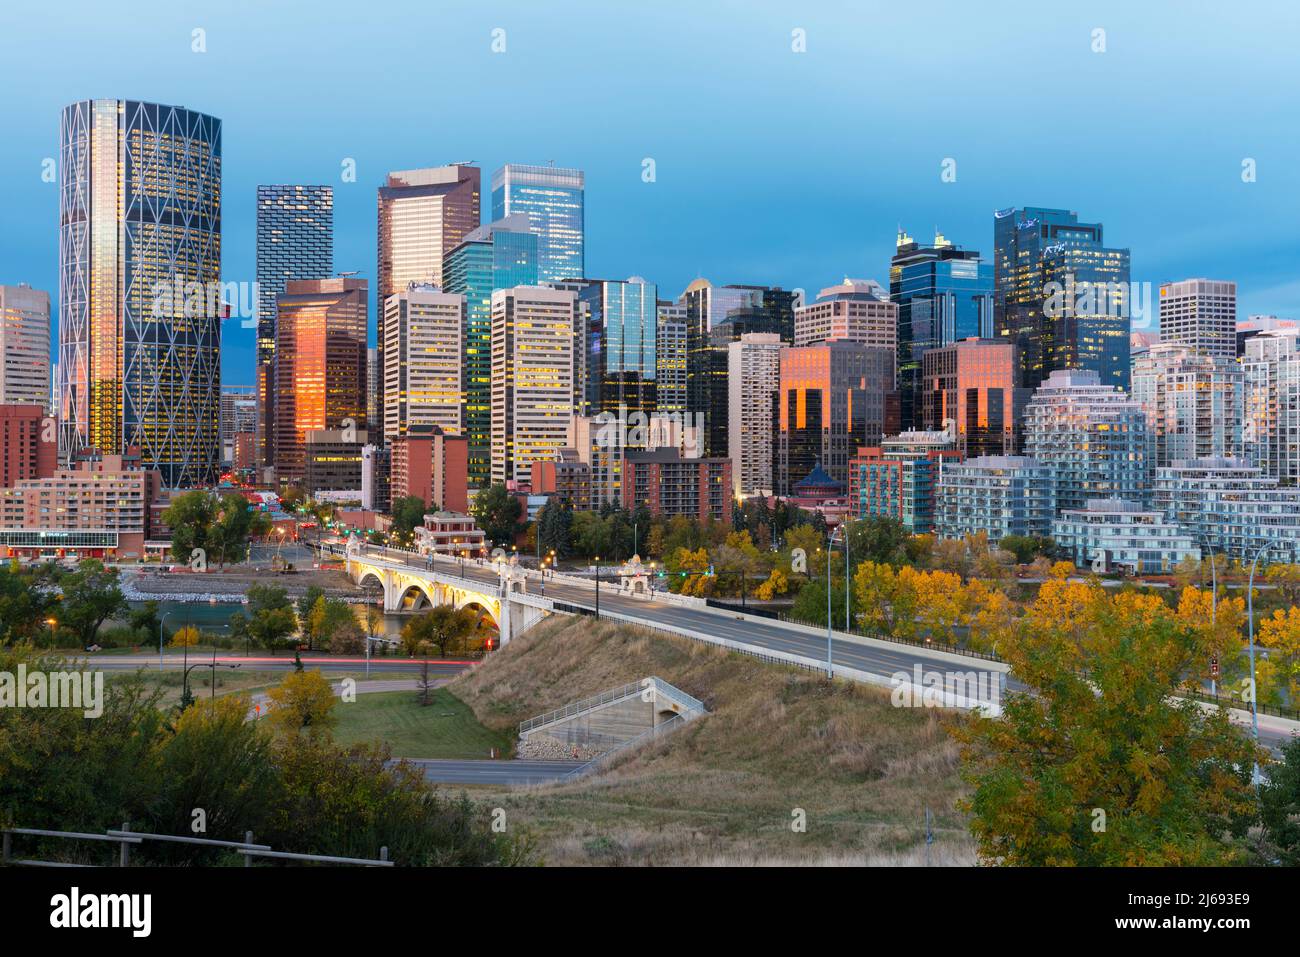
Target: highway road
x,y
326,663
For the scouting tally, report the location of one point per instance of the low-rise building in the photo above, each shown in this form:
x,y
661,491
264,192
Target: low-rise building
x,y
1112,533
450,533
998,494
668,485
566,477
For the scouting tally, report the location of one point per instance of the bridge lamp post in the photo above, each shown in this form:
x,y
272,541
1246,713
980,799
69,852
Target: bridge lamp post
x,y
1214,602
596,558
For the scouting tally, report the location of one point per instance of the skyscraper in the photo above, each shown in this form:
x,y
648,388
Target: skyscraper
x,y
423,361
857,310
833,399
715,317
619,344
24,346
320,366
140,305
1201,314
239,409
968,388
552,198
1271,433
1061,296
499,255
295,240
670,360
423,215
532,377
944,294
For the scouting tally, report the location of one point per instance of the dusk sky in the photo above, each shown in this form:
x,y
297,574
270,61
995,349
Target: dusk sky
x,y
772,166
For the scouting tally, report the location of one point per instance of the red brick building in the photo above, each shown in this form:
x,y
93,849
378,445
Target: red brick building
x,y
668,485
433,466
28,448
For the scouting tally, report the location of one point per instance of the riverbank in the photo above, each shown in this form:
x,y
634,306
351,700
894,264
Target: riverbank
x,y
231,585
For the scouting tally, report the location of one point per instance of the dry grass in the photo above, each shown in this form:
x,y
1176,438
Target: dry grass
x,y
723,789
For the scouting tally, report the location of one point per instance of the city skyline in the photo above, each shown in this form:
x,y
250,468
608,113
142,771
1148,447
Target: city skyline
x,y
830,222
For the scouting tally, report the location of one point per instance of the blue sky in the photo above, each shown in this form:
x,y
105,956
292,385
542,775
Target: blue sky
x,y
772,166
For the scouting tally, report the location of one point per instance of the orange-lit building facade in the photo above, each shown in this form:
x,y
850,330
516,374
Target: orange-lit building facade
x,y
320,366
971,384
833,399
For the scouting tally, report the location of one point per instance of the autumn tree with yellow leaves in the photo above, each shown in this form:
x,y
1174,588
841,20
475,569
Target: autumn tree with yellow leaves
x,y
1100,763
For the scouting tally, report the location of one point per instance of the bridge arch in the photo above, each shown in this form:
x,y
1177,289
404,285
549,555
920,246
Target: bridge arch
x,y
413,597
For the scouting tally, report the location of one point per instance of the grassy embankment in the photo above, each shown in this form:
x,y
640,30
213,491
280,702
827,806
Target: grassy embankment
x,y
725,788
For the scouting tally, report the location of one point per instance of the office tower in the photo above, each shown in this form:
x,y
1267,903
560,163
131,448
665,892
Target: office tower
x,y
833,399
333,461
102,507
1092,436
858,310
25,346
423,215
1247,329
532,377
295,240
139,285
239,410
1271,431
1230,507
899,478
424,360
552,199
1061,296
715,317
1200,314
28,446
320,365
618,347
1194,403
499,255
968,388
753,377
1000,495
670,360
373,412
668,485
944,294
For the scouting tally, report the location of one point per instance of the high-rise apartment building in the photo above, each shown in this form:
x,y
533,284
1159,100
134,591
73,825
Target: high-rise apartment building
x,y
140,305
553,200
968,388
834,398
1231,507
295,240
239,416
24,346
424,360
754,378
667,485
999,495
1061,296
1271,431
1194,403
532,377
899,478
498,255
1200,314
858,310
423,215
320,365
1092,436
944,294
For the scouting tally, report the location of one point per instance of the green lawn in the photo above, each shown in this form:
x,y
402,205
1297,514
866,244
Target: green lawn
x,y
445,728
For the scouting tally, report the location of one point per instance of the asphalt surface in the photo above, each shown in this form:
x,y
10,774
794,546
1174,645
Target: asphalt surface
x,y
326,663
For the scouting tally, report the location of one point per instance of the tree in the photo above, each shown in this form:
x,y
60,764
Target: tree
x,y
497,513
1100,763
234,522
1279,673
23,605
306,602
190,517
144,620
270,617
1279,799
878,539
186,637
555,528
408,512
443,628
302,702
91,596
330,619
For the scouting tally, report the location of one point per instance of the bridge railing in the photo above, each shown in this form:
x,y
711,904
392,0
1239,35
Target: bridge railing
x,y
585,704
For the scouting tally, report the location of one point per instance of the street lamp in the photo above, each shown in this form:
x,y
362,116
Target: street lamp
x,y
160,641
596,558
1250,601
1214,604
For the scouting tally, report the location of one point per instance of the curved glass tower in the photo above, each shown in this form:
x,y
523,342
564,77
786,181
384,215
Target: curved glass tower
x,y
140,299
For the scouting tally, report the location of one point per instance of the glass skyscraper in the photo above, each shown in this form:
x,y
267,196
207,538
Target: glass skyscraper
x,y
619,344
295,240
553,199
1060,295
140,306
944,294
499,255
